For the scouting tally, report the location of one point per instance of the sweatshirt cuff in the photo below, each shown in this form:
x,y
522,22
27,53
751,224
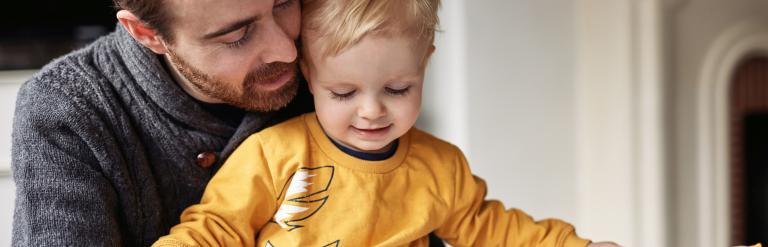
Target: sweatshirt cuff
x,y
169,242
574,241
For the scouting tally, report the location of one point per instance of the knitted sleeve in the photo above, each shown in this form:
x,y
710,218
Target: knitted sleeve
x,y
62,196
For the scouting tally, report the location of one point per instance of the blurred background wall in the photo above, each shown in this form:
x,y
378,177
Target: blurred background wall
x,y
609,114
503,75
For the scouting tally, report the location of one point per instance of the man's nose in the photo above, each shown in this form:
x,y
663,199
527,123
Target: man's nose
x,y
278,45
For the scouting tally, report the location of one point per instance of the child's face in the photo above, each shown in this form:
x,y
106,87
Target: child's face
x,y
369,94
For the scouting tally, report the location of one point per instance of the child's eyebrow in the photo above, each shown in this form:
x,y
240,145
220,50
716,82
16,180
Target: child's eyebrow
x,y
404,79
335,82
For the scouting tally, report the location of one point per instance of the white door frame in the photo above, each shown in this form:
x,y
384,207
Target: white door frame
x,y
712,182
619,111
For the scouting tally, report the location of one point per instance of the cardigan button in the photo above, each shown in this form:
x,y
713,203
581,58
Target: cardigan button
x,y
206,159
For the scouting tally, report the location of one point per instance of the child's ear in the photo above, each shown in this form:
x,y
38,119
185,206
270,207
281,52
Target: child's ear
x,y
306,73
430,50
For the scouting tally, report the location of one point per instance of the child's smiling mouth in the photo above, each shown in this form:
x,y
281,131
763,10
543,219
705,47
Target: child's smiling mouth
x,y
371,133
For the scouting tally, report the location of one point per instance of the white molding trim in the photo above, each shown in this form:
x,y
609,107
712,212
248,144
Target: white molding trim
x,y
15,76
619,111
454,75
5,169
712,183
5,172
649,111
674,5
12,78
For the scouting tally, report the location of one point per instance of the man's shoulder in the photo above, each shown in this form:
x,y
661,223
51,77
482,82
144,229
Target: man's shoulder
x,y
73,77
74,68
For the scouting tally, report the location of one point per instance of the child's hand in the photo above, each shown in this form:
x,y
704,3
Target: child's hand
x,y
604,244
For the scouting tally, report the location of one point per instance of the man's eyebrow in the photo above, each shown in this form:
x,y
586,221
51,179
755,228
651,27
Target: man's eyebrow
x,y
231,27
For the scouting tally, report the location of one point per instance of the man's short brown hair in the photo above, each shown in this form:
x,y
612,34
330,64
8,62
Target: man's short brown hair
x,y
152,12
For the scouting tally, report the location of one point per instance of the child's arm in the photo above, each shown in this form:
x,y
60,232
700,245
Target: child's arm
x,y
477,222
237,202
607,244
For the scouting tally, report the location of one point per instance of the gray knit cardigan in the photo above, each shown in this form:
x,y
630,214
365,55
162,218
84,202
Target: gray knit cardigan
x,y
105,146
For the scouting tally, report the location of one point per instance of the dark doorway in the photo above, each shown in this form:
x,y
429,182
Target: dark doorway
x,y
756,171
748,99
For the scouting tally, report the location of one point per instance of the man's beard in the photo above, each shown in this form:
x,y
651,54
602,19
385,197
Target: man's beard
x,y
248,95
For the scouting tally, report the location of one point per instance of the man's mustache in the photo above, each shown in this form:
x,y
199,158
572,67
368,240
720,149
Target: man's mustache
x,y
270,72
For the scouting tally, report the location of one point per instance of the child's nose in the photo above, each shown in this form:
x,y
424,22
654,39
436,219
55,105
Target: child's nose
x,y
371,109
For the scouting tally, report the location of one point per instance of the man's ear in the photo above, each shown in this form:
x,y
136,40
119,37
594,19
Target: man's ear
x,y
142,33
305,72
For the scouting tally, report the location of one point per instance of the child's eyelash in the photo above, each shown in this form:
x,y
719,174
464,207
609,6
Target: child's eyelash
x,y
397,92
390,91
342,96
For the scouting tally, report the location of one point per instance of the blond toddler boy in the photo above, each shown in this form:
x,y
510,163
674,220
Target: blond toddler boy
x,y
356,172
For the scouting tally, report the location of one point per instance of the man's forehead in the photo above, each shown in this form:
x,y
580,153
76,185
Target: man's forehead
x,y
206,16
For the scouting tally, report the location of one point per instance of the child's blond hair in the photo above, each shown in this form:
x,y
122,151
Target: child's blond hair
x,y
343,23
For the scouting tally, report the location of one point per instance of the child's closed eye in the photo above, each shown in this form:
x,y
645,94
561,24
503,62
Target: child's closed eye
x,y
341,96
397,91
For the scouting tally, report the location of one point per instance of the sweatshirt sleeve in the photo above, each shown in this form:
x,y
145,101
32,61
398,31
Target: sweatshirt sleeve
x,y
478,222
237,202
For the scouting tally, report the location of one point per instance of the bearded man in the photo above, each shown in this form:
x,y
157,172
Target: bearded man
x,y
112,142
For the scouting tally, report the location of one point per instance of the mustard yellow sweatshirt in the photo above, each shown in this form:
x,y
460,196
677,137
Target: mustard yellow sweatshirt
x,y
289,185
